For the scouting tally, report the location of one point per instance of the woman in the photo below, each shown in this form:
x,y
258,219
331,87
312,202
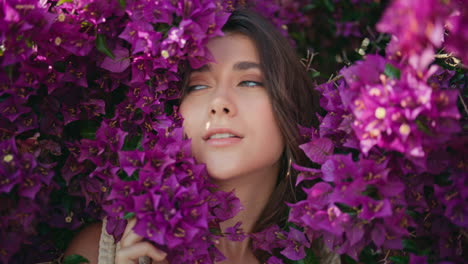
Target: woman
x,y
241,112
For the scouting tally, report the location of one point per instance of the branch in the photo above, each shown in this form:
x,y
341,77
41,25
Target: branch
x,y
463,103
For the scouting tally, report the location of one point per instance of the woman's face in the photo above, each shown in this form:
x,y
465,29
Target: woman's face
x,y
228,113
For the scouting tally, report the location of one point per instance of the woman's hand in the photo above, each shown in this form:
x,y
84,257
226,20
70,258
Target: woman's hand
x,y
132,247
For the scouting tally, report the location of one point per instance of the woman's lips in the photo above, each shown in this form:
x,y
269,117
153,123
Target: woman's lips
x,y
222,137
223,142
213,131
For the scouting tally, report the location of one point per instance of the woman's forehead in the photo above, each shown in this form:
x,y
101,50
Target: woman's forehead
x,y
233,48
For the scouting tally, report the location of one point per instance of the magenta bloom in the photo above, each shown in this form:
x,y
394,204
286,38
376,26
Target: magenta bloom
x,y
415,24
172,199
235,233
458,36
396,108
295,250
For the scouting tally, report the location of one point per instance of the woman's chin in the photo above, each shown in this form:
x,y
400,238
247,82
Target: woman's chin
x,y
220,175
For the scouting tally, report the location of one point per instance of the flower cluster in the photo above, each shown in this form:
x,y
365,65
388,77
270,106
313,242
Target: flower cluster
x,y
395,107
24,167
458,35
291,244
397,117
172,200
85,90
88,128
421,24
356,203
415,25
282,12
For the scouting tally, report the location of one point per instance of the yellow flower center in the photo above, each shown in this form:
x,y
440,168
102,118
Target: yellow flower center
x,y
58,41
165,54
405,129
8,158
380,112
61,17
374,92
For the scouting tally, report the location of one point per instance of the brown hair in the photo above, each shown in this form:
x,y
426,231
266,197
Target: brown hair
x,y
293,99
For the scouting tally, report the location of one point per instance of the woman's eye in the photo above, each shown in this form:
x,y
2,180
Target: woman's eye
x,y
250,84
196,87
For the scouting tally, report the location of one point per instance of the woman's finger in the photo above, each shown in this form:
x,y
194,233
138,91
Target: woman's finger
x,y
130,224
130,239
133,252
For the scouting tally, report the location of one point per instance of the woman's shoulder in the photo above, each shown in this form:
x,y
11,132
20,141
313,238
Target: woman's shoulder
x,y
86,243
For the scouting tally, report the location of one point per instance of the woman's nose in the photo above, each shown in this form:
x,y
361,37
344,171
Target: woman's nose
x,y
223,104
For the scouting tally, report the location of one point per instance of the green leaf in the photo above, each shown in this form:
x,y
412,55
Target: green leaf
x,y
368,255
348,260
74,259
329,6
101,45
215,231
399,259
64,1
129,215
315,74
10,70
67,203
124,177
423,127
309,7
410,245
60,66
346,209
122,3
392,71
132,142
372,192
310,258
88,129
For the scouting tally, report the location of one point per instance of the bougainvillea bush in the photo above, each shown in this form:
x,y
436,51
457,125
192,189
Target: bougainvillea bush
x,y
89,128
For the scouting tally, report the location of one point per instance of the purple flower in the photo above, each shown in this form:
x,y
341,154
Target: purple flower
x,y
318,150
415,24
225,205
295,250
373,209
119,63
141,36
457,26
454,198
347,29
235,233
268,239
28,19
274,260
417,259
115,136
399,113
131,160
172,200
92,150
13,107
10,161
142,67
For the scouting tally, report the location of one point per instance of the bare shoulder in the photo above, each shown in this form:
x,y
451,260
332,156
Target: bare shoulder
x,y
86,243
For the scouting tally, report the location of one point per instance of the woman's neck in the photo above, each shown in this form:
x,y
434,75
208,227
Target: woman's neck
x,y
254,192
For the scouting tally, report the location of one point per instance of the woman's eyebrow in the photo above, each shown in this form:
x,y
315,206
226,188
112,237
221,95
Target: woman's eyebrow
x,y
239,66
245,65
204,68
